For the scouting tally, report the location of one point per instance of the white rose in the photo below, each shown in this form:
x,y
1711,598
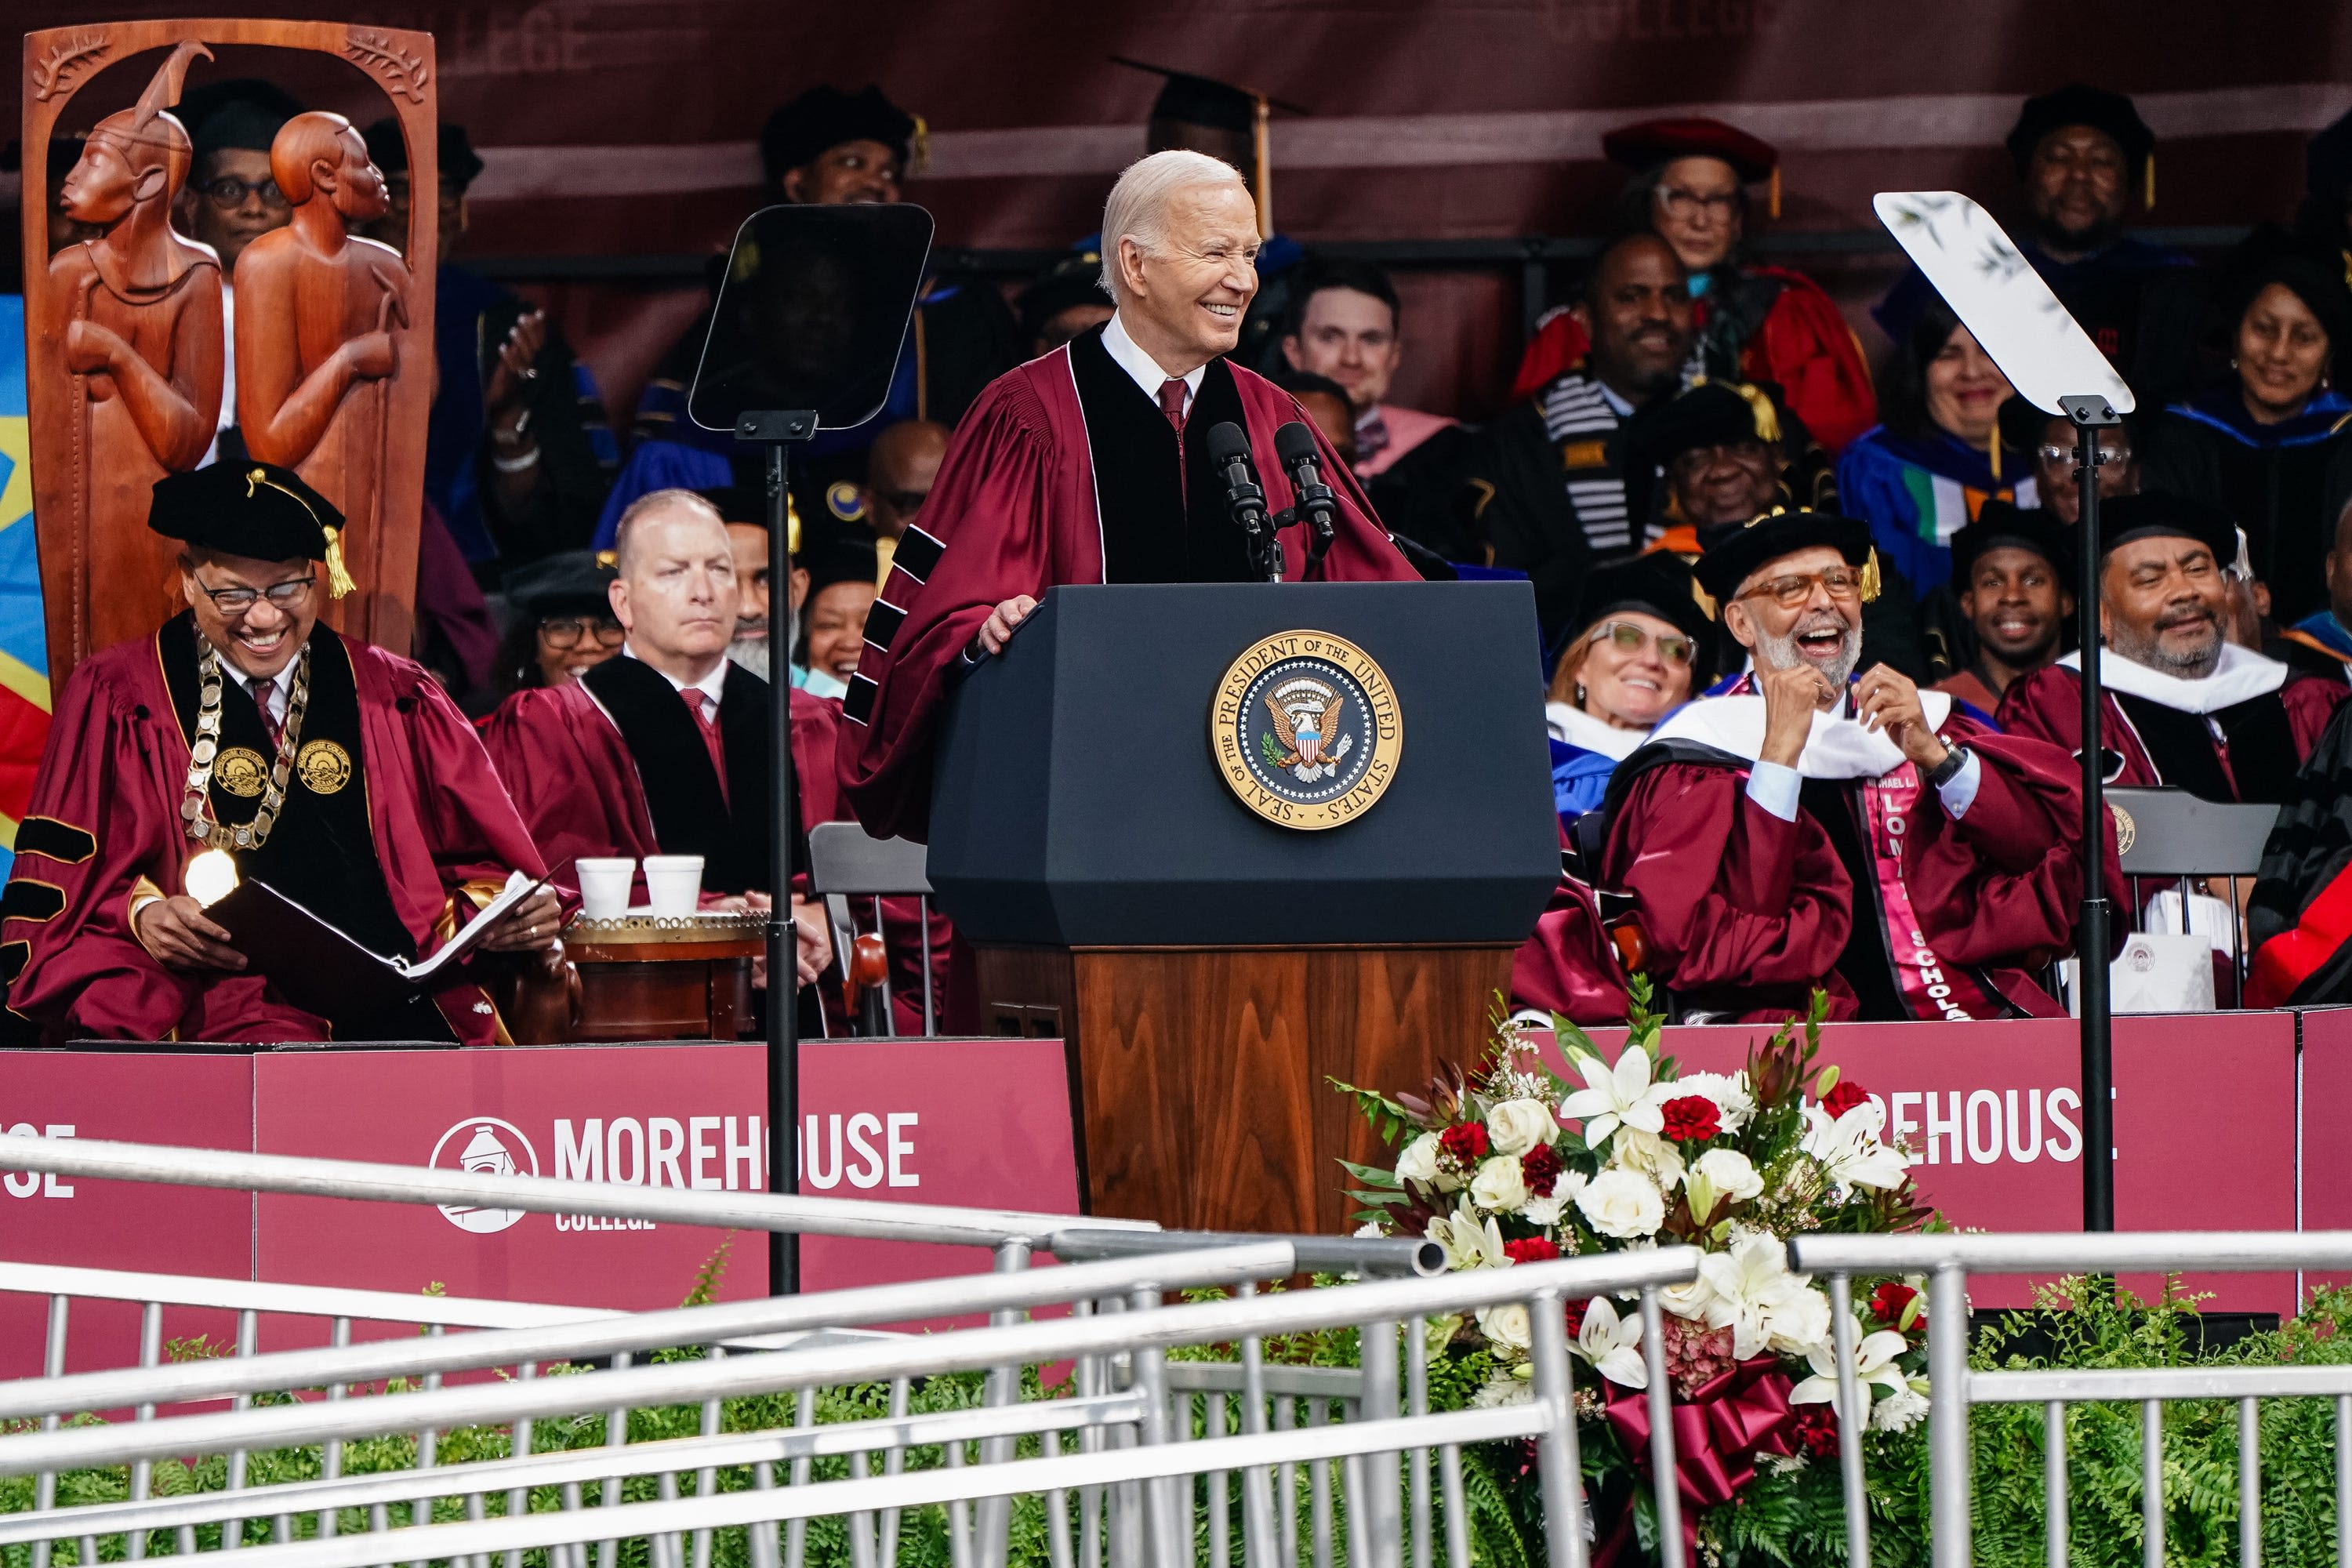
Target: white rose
x,y
1419,1160
1499,1185
1653,1157
1798,1323
1506,1325
1731,1174
1516,1126
1623,1203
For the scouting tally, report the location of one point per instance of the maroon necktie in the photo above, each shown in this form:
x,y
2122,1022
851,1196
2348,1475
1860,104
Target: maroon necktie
x,y
269,723
1171,401
699,705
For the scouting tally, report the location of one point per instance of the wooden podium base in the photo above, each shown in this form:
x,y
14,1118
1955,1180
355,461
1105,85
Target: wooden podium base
x,y
1199,1074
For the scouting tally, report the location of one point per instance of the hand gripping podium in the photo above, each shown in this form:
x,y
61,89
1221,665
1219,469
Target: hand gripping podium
x,y
1229,841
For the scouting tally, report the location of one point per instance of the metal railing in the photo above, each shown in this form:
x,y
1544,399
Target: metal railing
x,y
1131,1482
1955,1388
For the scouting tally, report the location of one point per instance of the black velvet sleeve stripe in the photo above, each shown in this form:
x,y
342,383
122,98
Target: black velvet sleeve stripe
x,y
14,956
55,840
27,899
882,623
859,706
918,554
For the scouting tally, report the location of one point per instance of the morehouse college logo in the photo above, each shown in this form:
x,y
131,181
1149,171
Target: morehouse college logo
x,y
1305,729
489,1147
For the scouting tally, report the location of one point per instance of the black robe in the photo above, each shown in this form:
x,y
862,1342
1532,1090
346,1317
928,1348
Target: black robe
x,y
1155,531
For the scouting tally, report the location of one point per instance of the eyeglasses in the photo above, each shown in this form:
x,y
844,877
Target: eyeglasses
x,y
228,192
2109,456
1687,205
1627,638
1838,581
236,600
565,631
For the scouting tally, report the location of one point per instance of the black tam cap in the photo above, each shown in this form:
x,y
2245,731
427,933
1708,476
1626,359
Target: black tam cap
x,y
825,117
845,558
1736,552
1657,583
246,113
455,157
2160,513
2001,525
2076,104
1076,279
1712,414
570,583
258,510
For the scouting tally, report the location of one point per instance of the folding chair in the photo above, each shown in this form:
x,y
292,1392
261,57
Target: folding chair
x,y
2173,835
847,862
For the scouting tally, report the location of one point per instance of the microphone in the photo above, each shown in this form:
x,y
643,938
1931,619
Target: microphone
x,y
1295,444
1229,452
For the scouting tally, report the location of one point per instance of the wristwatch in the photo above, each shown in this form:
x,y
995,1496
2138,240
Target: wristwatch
x,y
1955,759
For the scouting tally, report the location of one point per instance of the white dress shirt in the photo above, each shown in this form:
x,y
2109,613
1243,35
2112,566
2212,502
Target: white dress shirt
x,y
271,695
1142,369
711,686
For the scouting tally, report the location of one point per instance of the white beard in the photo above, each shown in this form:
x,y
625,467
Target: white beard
x,y
1780,653
751,653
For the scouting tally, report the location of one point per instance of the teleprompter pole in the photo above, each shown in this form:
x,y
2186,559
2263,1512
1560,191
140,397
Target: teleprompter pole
x,y
776,431
2089,416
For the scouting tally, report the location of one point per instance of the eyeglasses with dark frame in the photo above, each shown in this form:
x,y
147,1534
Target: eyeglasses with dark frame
x,y
236,600
1627,638
565,631
228,192
1838,581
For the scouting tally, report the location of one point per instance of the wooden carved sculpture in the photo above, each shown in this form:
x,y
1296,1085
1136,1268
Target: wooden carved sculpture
x,y
333,340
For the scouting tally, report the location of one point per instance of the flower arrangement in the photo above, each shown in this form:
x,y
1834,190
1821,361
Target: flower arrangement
x,y
1512,1164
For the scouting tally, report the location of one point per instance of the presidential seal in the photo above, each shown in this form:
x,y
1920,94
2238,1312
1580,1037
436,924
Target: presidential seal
x,y
323,766
241,772
1305,730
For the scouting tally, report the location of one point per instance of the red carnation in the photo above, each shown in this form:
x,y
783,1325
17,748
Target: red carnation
x,y
1816,1430
1576,1316
1534,1250
1693,1119
1843,1097
1539,1168
1888,1301
1466,1141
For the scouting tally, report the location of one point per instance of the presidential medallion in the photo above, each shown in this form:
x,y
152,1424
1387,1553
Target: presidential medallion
x,y
323,766
1305,730
241,770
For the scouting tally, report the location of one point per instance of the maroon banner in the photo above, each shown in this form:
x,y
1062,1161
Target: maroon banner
x,y
2322,1131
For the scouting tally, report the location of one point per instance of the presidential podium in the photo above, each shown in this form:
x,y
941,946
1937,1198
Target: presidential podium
x,y
1229,842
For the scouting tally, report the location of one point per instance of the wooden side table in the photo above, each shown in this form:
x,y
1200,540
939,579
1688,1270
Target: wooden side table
x,y
647,978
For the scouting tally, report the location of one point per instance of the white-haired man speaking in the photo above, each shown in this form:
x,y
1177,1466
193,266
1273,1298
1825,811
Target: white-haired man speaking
x,y
1090,465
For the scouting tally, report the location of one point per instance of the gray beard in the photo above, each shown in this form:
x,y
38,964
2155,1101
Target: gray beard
x,y
1780,653
2128,642
752,654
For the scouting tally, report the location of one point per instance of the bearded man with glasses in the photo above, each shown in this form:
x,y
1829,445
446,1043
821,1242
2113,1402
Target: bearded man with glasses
x,y
1813,827
340,774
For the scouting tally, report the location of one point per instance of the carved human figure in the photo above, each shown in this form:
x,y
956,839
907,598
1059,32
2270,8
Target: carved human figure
x,y
319,313
136,316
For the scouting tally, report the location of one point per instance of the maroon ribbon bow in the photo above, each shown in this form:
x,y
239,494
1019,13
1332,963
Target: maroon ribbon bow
x,y
1720,1432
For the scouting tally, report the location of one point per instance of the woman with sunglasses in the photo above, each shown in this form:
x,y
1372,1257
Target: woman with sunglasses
x,y
1642,633
562,623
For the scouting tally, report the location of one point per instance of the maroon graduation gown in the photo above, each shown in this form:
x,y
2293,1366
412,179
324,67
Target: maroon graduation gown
x,y
1015,511
577,786
1568,966
2048,704
105,816
1746,912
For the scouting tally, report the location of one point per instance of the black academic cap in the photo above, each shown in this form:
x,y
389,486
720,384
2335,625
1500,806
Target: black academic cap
x,y
2076,104
844,558
2001,525
455,156
258,510
244,112
1204,100
2157,513
1733,552
1657,583
1076,279
825,117
1712,414
2327,163
570,583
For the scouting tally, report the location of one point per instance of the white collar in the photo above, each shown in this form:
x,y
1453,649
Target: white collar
x,y
1839,747
1622,408
2240,676
710,685
1140,367
1572,726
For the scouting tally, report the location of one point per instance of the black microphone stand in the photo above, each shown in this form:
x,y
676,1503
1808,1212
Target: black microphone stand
x,y
776,430
2090,415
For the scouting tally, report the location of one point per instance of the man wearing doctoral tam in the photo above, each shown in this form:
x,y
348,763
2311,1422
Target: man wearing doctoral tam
x,y
1090,465
1812,826
340,774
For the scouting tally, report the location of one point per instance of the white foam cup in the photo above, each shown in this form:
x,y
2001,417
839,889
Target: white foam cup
x,y
674,884
604,885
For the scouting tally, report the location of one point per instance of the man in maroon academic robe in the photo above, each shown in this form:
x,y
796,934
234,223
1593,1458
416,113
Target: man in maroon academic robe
x,y
340,774
1813,827
667,749
2183,705
1090,465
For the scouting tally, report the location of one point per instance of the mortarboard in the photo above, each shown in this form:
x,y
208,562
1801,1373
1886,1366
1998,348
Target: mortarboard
x,y
1736,552
258,510
1657,583
1191,99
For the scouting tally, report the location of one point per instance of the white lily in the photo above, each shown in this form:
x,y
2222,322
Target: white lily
x,y
1851,1148
1612,1344
1469,1245
1873,1365
1613,1095
1752,1287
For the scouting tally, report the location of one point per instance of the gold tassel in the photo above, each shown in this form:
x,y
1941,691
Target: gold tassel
x,y
1705,601
1772,194
1760,404
792,526
1871,582
1265,150
918,147
2147,184
338,581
